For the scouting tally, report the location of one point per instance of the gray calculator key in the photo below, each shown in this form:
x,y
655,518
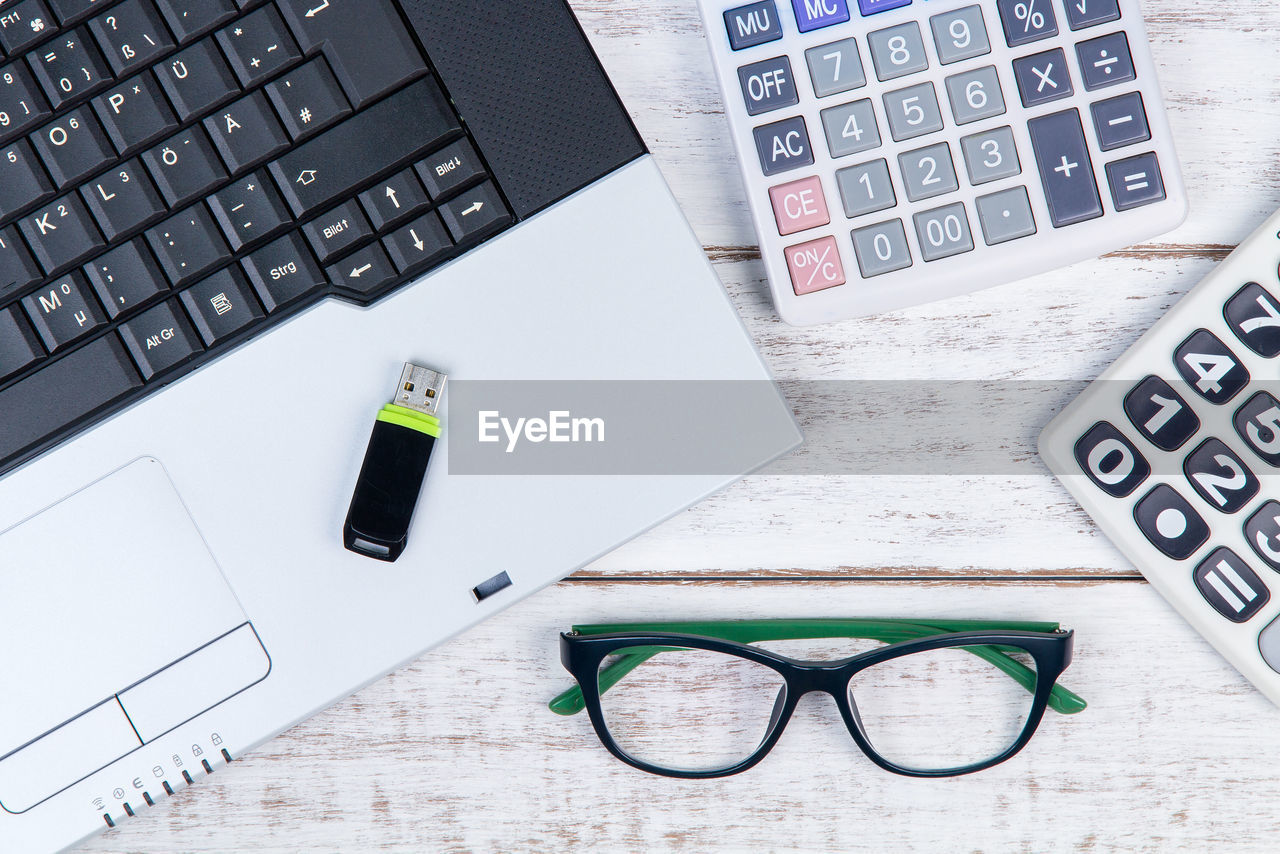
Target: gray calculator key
x,y
1135,181
990,155
768,85
975,95
1043,77
1026,21
835,67
943,232
928,172
1120,121
881,248
960,34
1065,171
1005,215
1105,61
897,51
865,188
912,111
753,24
783,145
1090,13
850,128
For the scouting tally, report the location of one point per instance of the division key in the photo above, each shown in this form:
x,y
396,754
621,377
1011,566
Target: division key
x,y
1065,171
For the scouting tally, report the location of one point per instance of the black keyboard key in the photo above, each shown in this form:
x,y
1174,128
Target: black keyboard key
x,y
70,11
246,132
160,339
308,99
249,210
17,268
131,36
190,18
135,114
336,230
70,67
419,244
365,271
367,44
23,181
283,272
1221,477
18,345
188,245
73,147
1062,156
333,165
258,46
185,167
61,233
197,79
64,312
126,278
64,392
447,170
22,106
24,23
477,212
394,200
1110,460
221,305
123,200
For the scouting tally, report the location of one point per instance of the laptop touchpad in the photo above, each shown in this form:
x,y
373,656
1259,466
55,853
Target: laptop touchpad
x,y
116,626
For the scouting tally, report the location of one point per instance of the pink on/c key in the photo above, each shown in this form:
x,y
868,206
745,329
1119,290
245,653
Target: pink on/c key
x,y
814,265
799,205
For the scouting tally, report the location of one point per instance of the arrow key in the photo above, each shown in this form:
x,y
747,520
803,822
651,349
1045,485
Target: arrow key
x,y
365,272
394,200
477,211
418,244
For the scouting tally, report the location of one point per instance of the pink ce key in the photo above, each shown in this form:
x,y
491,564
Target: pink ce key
x,y
799,205
814,265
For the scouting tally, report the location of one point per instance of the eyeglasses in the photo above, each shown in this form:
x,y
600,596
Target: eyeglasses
x,y
693,699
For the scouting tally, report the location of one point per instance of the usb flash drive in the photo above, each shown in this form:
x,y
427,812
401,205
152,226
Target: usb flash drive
x,y
395,463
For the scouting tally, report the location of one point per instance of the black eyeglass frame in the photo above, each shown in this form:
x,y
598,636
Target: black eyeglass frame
x,y
582,655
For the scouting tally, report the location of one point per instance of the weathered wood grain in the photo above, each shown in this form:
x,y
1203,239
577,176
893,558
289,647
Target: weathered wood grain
x,y
459,752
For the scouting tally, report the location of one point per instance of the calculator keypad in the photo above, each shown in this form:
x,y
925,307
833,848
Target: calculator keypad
x,y
1181,469
921,116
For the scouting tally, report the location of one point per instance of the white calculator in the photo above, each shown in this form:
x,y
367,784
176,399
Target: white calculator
x,y
1175,452
898,152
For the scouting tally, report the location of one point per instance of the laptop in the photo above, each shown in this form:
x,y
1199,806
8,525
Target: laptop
x,y
224,228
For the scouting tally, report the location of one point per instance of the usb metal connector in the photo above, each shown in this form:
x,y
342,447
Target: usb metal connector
x,y
395,464
420,388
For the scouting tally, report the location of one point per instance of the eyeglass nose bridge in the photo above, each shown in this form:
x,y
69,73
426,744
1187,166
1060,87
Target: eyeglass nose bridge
x,y
819,678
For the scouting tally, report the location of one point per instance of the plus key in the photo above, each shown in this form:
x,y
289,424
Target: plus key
x,y
1062,157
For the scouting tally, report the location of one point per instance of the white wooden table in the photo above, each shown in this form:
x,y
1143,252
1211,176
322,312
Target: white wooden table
x,y
459,753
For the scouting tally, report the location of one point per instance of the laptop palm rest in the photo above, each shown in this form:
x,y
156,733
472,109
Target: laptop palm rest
x,y
135,627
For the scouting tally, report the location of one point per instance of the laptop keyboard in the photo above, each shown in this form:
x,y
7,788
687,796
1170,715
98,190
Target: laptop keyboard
x,y
177,176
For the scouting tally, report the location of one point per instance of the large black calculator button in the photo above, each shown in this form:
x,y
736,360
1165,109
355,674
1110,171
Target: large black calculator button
x,y
1111,460
1254,317
1161,414
1209,367
1220,476
1258,423
1262,530
1170,523
1228,584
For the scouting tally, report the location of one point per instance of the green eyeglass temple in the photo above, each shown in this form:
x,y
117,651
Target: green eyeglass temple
x,y
752,631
